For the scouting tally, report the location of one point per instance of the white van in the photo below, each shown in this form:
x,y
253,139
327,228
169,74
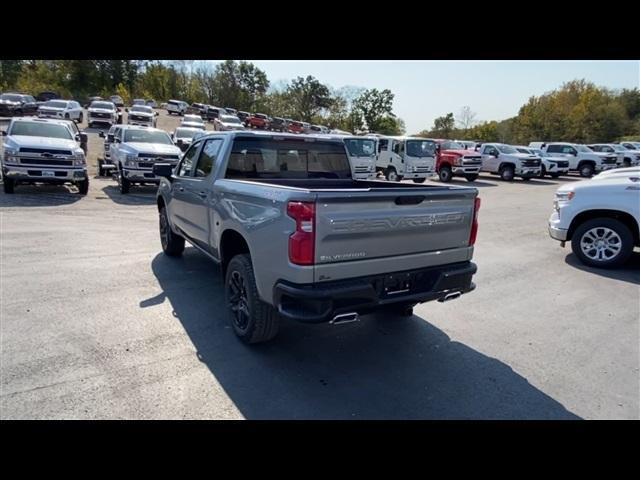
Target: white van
x,y
406,157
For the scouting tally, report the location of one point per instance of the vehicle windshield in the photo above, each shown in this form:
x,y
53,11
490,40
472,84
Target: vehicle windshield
x,y
619,148
139,102
506,149
260,115
115,98
540,153
103,105
582,148
147,136
421,148
230,119
523,150
141,109
10,97
37,129
55,104
452,146
253,158
185,133
361,147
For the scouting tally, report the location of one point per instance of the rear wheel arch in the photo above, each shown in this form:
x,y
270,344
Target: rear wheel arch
x,y
623,217
232,243
506,164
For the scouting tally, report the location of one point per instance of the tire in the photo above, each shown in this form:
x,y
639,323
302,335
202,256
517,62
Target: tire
x,y
391,175
81,118
125,184
626,162
616,250
89,125
419,180
66,116
471,177
253,321
543,171
8,185
445,174
83,187
507,173
172,244
18,113
586,170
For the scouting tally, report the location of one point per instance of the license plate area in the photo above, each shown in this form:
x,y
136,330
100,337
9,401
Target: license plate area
x,y
48,173
397,284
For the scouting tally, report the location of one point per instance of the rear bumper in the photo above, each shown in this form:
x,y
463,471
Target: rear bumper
x,y
321,302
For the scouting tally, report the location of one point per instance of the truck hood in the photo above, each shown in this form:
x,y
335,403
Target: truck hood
x,y
159,148
101,110
462,152
8,102
51,109
519,156
193,125
18,141
142,114
611,184
232,125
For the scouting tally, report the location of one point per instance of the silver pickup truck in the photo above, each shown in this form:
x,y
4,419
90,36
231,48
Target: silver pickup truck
x,y
297,238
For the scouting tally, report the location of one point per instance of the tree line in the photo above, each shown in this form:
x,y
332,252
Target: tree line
x,y
578,111
236,84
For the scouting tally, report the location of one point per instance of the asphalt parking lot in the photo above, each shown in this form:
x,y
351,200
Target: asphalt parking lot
x,y
96,323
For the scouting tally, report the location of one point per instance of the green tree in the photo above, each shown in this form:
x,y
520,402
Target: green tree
x,y
443,126
308,97
374,107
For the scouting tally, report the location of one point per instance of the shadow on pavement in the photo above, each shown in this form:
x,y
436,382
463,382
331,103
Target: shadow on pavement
x,y
630,272
40,196
379,368
138,195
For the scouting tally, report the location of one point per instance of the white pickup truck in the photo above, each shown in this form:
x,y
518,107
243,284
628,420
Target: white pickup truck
x,y
600,217
581,158
506,161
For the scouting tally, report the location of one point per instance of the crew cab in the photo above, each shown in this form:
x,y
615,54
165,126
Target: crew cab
x,y
177,107
17,105
183,136
38,150
406,157
67,109
626,156
453,159
581,158
552,166
258,120
506,161
106,166
227,122
101,112
193,121
142,115
600,217
134,151
297,238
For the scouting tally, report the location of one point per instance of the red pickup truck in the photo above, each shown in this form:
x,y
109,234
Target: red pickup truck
x,y
295,127
454,160
258,120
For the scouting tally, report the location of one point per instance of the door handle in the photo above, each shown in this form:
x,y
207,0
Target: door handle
x,y
202,194
181,189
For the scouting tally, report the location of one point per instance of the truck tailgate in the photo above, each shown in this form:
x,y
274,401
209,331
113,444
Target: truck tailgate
x,y
363,233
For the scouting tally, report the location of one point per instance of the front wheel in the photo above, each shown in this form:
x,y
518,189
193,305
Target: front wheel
x,y
253,320
392,176
543,171
507,173
602,242
172,244
445,174
626,162
8,185
81,118
586,170
83,187
125,184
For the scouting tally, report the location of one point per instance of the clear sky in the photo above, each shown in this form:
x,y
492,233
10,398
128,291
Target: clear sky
x,y
424,90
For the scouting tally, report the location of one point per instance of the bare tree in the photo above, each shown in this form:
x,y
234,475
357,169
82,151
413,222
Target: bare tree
x,y
466,118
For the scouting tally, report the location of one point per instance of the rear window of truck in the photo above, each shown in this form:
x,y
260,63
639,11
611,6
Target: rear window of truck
x,y
265,158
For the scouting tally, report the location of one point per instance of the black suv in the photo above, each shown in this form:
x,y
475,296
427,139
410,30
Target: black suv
x,y
17,105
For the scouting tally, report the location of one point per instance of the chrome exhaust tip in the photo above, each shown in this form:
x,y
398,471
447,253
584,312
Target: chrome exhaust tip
x,y
345,318
449,296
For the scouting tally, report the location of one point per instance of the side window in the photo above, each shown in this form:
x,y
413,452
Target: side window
x,y
488,150
554,149
187,161
382,145
396,148
567,149
208,157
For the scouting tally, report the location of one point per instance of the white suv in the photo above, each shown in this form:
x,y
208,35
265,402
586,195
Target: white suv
x,y
581,158
600,217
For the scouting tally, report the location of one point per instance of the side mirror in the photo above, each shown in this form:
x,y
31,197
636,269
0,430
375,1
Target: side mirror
x,y
164,170
179,142
4,133
495,154
101,134
110,137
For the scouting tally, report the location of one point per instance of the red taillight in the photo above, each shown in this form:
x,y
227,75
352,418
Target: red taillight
x,y
474,225
302,243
